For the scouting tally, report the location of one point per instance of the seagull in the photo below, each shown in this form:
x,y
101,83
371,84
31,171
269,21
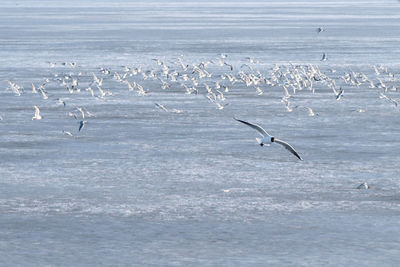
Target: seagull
x,y
311,113
81,125
105,71
268,139
363,186
34,89
88,113
220,106
43,92
161,107
229,65
320,29
67,133
383,96
324,57
61,102
82,112
37,114
167,110
339,94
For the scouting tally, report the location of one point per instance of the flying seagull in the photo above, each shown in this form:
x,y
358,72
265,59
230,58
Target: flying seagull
x,y
268,139
37,114
339,94
324,57
67,133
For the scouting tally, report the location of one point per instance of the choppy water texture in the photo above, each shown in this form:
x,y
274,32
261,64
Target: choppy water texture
x,y
141,186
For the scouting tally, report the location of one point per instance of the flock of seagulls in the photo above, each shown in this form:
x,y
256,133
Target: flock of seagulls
x,y
216,79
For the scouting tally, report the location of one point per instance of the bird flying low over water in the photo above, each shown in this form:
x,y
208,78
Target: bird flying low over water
x,y
339,94
324,57
37,115
267,139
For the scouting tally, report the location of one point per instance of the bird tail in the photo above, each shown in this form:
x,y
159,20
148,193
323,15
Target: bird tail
x,y
259,140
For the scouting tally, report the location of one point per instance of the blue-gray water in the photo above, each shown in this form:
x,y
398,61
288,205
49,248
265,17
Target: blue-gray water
x,y
140,186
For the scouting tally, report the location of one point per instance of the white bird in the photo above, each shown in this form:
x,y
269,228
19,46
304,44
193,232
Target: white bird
x,y
43,92
67,133
363,186
161,107
167,110
105,71
324,57
259,91
220,106
82,112
268,139
37,115
229,65
88,113
311,113
90,90
320,29
61,102
15,88
34,89
287,104
339,94
221,95
383,96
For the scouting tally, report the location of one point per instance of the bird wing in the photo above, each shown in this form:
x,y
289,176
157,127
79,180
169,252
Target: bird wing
x,y
161,107
37,111
288,147
254,126
339,95
81,124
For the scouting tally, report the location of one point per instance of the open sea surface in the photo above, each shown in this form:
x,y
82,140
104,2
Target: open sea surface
x,y
139,186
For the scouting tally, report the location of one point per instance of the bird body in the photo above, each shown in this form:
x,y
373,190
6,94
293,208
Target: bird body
x,y
266,140
363,186
67,133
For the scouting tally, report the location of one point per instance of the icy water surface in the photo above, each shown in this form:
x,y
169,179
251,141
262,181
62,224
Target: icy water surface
x,y
188,185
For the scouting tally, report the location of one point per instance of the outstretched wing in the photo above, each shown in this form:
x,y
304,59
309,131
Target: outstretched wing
x,y
254,126
81,124
288,147
161,107
37,111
